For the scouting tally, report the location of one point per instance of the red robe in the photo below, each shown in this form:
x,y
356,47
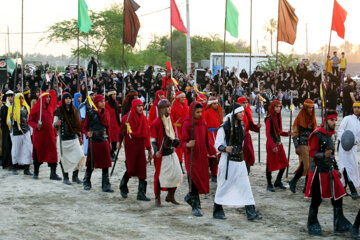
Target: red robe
x,y
178,115
203,147
114,127
157,132
275,160
100,150
44,140
248,148
135,148
324,178
154,111
213,122
165,82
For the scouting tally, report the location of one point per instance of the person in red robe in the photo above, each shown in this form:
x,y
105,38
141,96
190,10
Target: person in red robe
x,y
324,178
166,80
248,148
126,104
213,119
44,140
179,112
203,100
154,111
201,148
135,129
168,175
95,126
276,158
112,107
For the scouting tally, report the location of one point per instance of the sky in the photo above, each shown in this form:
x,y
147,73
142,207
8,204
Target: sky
x,y
206,18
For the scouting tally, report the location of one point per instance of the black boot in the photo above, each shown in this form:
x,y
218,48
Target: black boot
x,y
106,186
53,175
195,202
36,171
141,196
75,177
278,182
123,186
213,178
187,199
355,227
251,213
66,179
87,178
313,224
341,224
218,212
27,170
14,169
292,185
354,194
270,188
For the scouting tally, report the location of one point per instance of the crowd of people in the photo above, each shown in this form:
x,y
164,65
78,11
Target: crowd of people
x,y
83,119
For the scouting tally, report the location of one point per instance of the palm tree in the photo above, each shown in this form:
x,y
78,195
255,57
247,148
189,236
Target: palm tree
x,y
270,28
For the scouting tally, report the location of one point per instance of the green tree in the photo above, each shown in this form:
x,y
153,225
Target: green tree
x,y
283,60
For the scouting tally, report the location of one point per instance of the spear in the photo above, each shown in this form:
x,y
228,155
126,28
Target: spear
x,y
259,117
192,138
291,111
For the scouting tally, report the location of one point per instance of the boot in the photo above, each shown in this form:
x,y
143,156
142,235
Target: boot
x,y
306,179
355,227
53,175
251,213
278,182
14,169
123,186
270,188
313,224
354,195
218,212
27,170
66,179
106,186
182,169
213,178
188,199
87,178
75,177
171,196
142,191
157,196
341,224
36,171
195,200
292,185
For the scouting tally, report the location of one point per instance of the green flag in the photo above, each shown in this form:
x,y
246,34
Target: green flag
x,y
84,21
232,19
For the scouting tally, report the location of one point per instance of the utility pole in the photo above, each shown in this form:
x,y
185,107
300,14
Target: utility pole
x,y
307,46
8,38
188,42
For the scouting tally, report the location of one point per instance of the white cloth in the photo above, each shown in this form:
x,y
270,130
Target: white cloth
x,y
348,159
72,152
236,190
170,173
22,148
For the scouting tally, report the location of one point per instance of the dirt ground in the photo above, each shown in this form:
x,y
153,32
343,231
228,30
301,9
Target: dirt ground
x,y
44,209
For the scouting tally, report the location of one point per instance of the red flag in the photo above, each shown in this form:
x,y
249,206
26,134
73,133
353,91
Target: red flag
x,y
338,21
176,20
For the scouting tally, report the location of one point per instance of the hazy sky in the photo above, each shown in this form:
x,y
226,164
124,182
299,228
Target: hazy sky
x,y
206,17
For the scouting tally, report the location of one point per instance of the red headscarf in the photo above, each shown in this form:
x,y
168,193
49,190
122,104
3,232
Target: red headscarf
x,y
247,111
97,99
276,118
157,97
51,107
138,122
304,119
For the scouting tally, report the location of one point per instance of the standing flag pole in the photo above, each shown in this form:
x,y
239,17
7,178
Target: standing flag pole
x,y
171,43
123,56
291,113
277,38
188,40
250,47
223,67
22,45
332,19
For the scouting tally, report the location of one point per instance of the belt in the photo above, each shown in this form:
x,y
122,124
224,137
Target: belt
x,y
177,124
212,129
236,159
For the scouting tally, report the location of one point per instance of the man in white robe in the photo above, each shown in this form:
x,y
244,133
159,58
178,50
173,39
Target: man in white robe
x,y
233,186
348,161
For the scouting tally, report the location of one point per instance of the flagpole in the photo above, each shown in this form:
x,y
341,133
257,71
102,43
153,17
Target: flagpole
x,y
277,39
22,45
328,54
171,45
226,1
123,56
78,61
250,46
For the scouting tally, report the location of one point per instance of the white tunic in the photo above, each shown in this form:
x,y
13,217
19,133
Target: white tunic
x,y
236,190
22,148
348,159
72,153
170,173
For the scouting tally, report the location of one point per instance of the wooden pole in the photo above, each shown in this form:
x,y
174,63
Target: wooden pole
x,y
250,47
123,56
328,54
224,44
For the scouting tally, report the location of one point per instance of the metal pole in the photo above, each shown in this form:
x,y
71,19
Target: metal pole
x,y
8,33
307,42
171,46
188,40
328,54
78,61
250,47
224,42
277,39
123,56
